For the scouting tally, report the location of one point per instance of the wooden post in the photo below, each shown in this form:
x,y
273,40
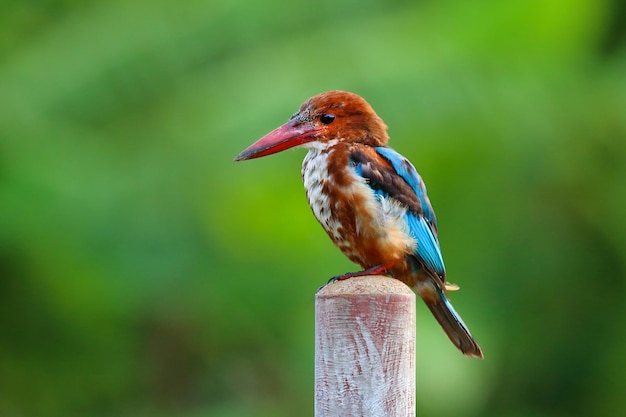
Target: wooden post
x,y
365,349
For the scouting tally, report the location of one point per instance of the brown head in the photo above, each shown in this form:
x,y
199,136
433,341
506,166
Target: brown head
x,y
331,116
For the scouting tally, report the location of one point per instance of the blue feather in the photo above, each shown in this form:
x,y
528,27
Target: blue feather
x,y
451,309
427,244
405,169
422,227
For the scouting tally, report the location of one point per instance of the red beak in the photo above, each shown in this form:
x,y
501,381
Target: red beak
x,y
285,137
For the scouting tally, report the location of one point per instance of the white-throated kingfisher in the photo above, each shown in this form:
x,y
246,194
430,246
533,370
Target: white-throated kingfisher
x,y
370,199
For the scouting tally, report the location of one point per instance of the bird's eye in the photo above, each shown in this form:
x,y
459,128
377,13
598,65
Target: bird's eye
x,y
327,118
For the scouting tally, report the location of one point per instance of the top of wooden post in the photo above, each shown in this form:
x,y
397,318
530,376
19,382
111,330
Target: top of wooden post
x,y
367,285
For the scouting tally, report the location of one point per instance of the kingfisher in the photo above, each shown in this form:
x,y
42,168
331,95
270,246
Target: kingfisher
x,y
369,199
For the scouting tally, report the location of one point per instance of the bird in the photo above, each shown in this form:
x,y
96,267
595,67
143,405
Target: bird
x,y
369,199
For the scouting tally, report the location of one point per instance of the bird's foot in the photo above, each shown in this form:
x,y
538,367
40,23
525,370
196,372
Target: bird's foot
x,y
375,270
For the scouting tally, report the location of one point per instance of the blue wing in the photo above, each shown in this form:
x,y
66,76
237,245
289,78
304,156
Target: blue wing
x,y
405,169
420,216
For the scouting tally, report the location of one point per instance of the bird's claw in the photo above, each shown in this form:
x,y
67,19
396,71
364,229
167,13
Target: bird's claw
x,y
338,278
335,279
375,270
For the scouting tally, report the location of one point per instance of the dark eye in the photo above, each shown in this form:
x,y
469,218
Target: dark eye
x,y
327,118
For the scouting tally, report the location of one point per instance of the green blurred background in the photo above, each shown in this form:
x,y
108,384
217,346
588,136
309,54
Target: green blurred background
x,y
143,273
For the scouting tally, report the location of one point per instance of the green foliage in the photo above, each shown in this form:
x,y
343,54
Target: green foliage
x,y
144,273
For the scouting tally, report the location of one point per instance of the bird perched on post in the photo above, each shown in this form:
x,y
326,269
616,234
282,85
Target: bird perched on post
x,y
370,199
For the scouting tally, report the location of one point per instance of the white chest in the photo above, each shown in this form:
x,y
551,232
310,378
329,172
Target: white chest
x,y
315,177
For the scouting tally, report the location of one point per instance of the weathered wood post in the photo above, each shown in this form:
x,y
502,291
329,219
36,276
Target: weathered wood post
x,y
365,349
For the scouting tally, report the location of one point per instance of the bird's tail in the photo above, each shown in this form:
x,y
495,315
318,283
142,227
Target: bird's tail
x,y
450,321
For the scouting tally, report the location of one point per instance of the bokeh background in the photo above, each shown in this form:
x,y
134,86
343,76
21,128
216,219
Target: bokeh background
x,y
143,273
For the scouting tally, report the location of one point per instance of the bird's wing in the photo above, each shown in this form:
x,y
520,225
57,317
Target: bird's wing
x,y
391,175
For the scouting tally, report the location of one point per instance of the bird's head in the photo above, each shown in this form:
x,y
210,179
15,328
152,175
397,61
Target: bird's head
x,y
323,120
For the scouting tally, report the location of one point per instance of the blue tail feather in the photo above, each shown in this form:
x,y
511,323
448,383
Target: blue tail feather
x,y
453,325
